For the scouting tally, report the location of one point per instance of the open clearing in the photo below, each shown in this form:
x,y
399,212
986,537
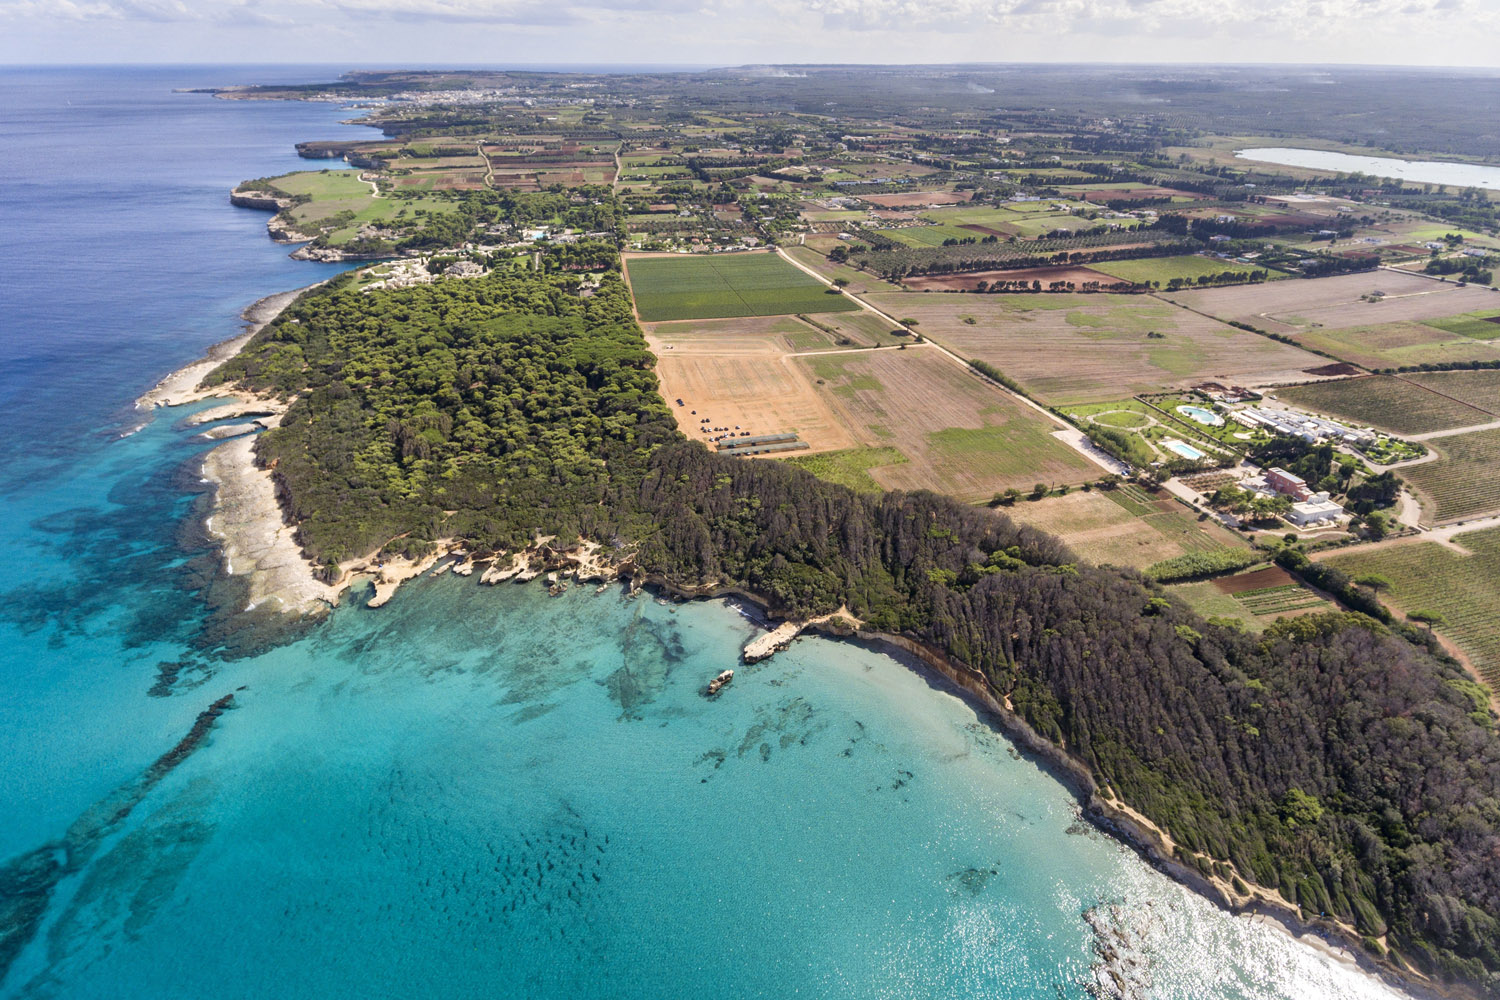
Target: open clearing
x,y
1465,590
674,286
1100,529
849,468
761,394
1164,269
960,434
968,281
1462,482
336,192
1385,401
1093,348
1342,316
917,198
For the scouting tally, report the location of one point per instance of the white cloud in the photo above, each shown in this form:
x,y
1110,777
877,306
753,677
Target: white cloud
x,y
1166,17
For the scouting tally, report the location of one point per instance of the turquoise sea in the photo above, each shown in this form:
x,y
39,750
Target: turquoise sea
x,y
473,791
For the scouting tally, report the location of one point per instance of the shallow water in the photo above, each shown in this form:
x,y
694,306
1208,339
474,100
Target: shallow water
x,y
1417,171
472,790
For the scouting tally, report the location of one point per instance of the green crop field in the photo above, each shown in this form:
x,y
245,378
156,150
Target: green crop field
x,y
1463,589
1462,482
1385,401
702,287
1484,325
1164,269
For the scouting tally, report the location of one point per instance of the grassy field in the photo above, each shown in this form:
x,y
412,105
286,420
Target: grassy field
x,y
1121,527
850,467
342,203
1164,269
1465,590
1479,389
1344,316
1394,345
1463,481
1481,325
1385,401
859,281
959,434
707,287
1095,348
749,335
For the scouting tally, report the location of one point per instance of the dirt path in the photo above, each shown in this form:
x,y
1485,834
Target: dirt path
x,y
614,185
489,168
1430,435
928,340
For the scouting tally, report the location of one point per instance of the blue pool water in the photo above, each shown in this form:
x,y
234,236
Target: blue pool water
x,y
472,791
1183,448
1207,417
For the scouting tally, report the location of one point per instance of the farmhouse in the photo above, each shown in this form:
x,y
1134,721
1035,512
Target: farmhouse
x,y
1317,510
1285,483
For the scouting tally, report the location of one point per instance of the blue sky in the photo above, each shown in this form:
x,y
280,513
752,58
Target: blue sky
x,y
730,32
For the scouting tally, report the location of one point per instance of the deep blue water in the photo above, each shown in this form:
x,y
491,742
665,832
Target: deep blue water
x,y
472,791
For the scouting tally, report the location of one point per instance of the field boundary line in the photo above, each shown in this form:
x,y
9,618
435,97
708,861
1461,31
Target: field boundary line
x,y
1462,402
1052,417
714,266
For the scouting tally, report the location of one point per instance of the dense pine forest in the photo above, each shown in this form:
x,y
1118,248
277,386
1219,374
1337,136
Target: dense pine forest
x,y
1332,759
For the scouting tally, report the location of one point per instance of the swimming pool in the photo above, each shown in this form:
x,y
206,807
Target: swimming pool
x,y
1198,413
1182,448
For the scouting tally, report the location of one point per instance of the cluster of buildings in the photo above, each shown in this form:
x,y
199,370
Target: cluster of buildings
x,y
1301,425
1308,508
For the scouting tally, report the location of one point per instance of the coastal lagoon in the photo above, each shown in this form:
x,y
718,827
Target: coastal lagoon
x,y
1460,175
473,790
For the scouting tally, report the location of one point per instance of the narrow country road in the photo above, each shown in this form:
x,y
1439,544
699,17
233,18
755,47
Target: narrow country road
x,y
1062,424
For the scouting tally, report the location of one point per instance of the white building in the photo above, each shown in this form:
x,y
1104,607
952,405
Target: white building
x,y
1318,510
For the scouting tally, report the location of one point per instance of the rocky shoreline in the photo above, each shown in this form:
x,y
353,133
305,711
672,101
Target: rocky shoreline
x,y
257,542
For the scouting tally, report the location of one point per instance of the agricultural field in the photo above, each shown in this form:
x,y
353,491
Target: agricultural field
x,y
1479,389
1122,527
1481,325
1255,598
1388,402
1464,589
1163,269
1081,348
1462,482
860,282
851,467
1395,345
754,393
1344,316
768,335
959,434
969,281
1271,593
708,287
